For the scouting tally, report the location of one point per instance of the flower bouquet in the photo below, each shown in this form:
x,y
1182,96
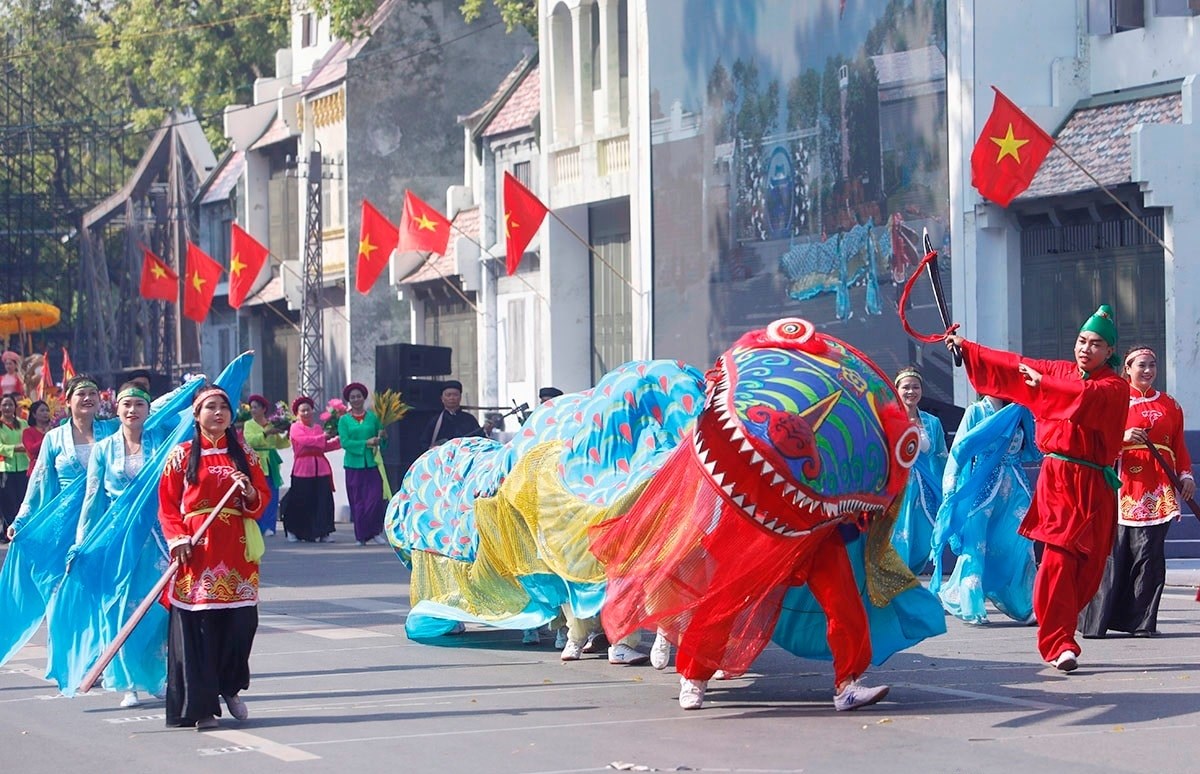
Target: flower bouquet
x,y
281,418
334,410
106,407
243,414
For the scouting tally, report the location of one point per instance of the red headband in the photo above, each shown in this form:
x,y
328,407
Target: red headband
x,y
208,392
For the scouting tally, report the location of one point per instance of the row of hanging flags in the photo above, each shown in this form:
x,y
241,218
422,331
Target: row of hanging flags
x,y
1007,155
422,229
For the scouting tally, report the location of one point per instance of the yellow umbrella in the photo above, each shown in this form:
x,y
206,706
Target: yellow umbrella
x,y
25,316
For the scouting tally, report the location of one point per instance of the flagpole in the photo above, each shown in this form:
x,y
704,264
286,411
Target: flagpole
x,y
485,251
1113,196
592,250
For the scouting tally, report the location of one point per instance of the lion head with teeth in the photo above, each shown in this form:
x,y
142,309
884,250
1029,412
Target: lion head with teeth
x,y
800,429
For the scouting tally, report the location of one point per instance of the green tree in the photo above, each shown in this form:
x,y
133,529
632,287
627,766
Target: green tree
x,y
515,13
165,55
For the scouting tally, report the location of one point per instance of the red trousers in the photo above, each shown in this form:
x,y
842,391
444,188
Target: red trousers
x,y
1066,581
831,580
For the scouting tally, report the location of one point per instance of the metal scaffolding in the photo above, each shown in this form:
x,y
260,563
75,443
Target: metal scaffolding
x,y
312,345
60,154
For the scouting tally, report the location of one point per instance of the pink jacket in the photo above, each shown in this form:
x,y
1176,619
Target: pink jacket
x,y
308,447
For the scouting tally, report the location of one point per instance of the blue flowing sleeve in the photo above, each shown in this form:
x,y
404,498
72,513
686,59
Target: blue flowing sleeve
x,y
43,484
95,498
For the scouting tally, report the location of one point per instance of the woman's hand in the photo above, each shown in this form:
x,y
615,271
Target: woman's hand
x,y
953,341
1032,377
249,493
11,532
1136,435
1189,488
373,442
182,553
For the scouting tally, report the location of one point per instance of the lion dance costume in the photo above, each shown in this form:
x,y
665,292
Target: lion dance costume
x,y
692,504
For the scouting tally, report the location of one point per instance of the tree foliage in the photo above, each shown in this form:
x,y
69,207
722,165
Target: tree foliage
x,y
515,13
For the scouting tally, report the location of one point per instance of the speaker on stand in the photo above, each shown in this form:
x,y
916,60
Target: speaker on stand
x,y
400,367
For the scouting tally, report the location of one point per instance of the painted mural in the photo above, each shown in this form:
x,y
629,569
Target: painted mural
x,y
799,150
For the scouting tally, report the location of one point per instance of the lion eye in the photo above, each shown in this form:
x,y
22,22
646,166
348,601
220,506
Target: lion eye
x,y
791,329
907,447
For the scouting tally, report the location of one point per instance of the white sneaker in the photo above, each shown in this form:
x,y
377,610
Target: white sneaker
x,y
857,695
623,655
721,674
292,538
379,540
131,699
560,638
1067,661
572,651
691,693
530,637
361,542
269,533
660,651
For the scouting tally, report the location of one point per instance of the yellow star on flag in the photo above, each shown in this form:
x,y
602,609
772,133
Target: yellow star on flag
x,y
197,281
235,265
509,224
1009,146
365,248
158,271
425,224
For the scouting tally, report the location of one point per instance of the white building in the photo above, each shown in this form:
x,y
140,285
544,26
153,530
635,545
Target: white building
x,y
1114,82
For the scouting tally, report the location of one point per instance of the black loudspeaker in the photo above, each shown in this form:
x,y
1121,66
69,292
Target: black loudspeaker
x,y
420,394
404,361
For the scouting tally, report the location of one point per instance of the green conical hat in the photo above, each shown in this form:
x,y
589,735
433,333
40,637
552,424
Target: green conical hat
x,y
1103,323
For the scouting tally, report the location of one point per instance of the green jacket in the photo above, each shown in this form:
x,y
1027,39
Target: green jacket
x,y
10,438
265,445
353,433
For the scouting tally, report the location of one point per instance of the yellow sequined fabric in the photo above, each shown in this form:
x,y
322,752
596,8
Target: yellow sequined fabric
x,y
887,575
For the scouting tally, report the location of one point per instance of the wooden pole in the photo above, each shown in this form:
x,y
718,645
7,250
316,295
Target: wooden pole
x,y
136,616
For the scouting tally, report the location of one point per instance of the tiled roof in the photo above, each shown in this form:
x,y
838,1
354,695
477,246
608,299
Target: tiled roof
x,y
225,179
332,67
278,131
439,266
519,111
1098,138
905,67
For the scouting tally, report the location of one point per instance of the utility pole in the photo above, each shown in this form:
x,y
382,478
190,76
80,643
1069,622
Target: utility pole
x,y
312,344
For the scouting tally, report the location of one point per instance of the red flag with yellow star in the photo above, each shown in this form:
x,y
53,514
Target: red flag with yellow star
x,y
1008,153
422,227
248,256
159,283
377,238
523,216
199,283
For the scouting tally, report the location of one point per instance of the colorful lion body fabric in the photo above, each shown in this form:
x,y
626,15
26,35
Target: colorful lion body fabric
x,y
672,499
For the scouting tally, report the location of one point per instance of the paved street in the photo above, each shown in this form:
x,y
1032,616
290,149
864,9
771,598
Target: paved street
x,y
338,688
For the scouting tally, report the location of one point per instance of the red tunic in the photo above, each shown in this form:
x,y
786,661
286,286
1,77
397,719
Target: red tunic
x,y
1147,496
218,574
1078,417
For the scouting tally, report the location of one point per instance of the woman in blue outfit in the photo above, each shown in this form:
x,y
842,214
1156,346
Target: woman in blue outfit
x,y
115,462
66,449
913,535
985,496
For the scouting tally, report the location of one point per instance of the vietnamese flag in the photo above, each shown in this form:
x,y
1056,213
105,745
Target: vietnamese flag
x,y
68,367
1008,153
46,388
159,283
377,238
249,256
523,216
199,283
422,227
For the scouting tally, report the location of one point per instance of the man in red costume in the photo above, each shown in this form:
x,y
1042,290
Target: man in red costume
x,y
1080,410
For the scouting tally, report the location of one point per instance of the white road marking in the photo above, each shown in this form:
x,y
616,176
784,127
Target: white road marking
x,y
1041,705
241,739
299,625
